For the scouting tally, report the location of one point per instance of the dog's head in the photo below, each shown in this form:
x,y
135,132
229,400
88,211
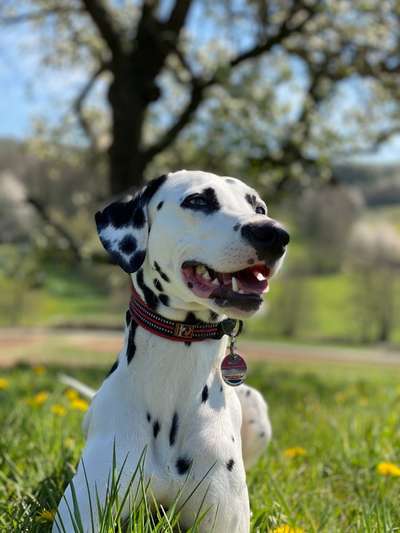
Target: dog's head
x,y
204,240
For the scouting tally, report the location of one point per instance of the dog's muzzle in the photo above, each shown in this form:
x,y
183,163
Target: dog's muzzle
x,y
269,239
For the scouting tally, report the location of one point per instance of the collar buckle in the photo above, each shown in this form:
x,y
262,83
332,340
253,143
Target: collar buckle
x,y
185,331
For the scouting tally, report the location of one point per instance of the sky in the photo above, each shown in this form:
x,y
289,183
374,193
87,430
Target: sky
x,y
28,91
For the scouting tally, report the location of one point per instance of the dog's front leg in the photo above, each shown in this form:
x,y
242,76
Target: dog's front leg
x,y
223,502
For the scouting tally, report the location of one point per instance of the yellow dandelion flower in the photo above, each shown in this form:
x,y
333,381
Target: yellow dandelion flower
x,y
46,515
39,399
58,409
388,469
287,529
80,405
69,443
71,394
4,383
39,370
296,451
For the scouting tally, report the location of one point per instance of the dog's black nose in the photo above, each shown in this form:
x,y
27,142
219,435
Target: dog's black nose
x,y
268,238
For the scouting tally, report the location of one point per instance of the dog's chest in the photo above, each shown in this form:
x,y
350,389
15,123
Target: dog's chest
x,y
170,399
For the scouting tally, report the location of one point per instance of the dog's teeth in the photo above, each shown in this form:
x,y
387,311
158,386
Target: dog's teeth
x,y
234,284
215,282
207,276
201,269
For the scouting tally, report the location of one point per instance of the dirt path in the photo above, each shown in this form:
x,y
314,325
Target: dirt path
x,y
99,347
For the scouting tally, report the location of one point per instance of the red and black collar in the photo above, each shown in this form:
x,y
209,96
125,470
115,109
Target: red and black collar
x,y
175,330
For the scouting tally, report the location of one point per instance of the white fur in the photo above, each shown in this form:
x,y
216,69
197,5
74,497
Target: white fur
x,y
166,377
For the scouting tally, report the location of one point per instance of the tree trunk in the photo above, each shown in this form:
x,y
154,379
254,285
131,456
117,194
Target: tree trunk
x,y
126,163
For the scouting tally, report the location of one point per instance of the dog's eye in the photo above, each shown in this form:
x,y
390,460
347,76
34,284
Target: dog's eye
x,y
195,200
260,210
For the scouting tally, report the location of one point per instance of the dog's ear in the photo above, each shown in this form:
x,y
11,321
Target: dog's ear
x,y
123,227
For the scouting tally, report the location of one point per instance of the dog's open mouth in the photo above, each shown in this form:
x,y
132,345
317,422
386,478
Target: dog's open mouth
x,y
242,289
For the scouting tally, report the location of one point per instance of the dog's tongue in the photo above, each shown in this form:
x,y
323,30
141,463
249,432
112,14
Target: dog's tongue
x,y
253,279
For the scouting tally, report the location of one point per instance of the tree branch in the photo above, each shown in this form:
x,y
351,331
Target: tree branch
x,y
41,209
79,102
178,16
196,98
103,21
373,147
285,30
199,86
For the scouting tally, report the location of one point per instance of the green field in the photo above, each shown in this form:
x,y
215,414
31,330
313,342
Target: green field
x,y
344,419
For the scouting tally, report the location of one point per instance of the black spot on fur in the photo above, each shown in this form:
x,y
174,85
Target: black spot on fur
x,y
229,464
156,428
101,220
251,261
236,227
152,187
204,394
262,434
174,429
137,260
157,284
128,318
251,199
213,316
139,218
233,438
128,244
221,388
148,416
190,285
149,297
210,204
131,348
164,299
119,214
162,274
248,392
192,319
113,368
251,421
183,464
231,181
160,206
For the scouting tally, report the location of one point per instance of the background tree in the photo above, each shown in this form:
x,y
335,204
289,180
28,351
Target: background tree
x,y
261,79
374,261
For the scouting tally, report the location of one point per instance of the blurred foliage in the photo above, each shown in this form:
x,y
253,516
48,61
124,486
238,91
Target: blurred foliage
x,y
272,91
278,93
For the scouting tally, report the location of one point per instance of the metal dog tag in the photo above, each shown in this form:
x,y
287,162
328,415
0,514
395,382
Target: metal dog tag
x,y
233,369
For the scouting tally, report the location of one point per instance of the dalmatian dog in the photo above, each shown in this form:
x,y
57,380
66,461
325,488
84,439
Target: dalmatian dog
x,y
199,248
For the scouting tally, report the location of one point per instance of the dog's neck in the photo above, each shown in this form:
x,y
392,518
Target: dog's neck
x,y
192,369
169,305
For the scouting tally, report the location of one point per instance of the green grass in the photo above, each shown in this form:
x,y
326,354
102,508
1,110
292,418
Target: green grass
x,y
344,416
